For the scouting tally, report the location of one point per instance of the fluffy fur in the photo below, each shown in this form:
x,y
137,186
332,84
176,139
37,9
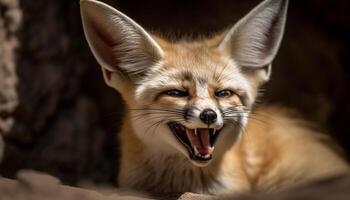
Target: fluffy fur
x,y
260,150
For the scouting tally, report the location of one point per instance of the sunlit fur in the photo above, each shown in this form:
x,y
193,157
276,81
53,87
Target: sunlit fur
x,y
272,152
259,149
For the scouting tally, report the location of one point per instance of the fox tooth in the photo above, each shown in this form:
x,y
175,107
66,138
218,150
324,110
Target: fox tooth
x,y
211,149
214,131
206,156
196,152
195,131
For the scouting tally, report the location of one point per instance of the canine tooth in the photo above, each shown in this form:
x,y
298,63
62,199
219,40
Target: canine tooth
x,y
196,152
195,131
214,131
211,149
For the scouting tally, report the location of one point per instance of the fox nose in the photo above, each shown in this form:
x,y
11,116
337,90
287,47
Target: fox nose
x,y
208,116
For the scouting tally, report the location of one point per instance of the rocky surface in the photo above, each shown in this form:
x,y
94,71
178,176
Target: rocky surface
x,y
10,21
58,125
38,186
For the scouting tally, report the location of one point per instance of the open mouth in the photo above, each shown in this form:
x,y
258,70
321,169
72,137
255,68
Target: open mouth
x,y
199,142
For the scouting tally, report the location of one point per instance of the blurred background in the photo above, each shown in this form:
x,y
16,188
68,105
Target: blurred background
x,y
58,116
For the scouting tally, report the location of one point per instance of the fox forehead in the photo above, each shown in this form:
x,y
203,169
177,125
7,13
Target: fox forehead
x,y
196,55
193,66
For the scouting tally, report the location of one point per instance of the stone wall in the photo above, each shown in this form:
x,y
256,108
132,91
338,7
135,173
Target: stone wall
x,y
10,21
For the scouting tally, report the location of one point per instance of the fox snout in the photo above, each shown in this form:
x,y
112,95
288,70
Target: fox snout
x,y
205,118
208,116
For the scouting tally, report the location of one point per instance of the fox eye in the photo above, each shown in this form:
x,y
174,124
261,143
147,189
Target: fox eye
x,y
224,93
176,93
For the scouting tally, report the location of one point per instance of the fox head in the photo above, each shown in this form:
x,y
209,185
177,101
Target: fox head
x,y
186,98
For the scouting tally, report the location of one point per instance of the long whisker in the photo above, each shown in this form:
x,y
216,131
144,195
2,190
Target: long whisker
x,y
157,116
153,109
157,124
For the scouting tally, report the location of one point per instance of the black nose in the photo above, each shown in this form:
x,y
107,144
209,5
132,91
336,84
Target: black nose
x,y
208,116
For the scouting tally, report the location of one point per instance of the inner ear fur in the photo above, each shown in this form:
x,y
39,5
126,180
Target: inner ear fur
x,y
120,45
255,40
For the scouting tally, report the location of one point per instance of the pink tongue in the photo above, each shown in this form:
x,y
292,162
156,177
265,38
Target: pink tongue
x,y
200,141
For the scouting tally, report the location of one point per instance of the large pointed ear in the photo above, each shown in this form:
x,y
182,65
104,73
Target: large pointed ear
x,y
254,41
119,44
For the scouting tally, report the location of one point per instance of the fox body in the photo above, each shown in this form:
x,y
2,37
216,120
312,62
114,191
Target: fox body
x,y
189,124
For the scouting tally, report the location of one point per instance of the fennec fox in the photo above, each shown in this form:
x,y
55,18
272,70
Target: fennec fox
x,y
189,124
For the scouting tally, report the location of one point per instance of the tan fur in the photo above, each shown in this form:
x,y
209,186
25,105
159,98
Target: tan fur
x,y
274,152
261,149
280,151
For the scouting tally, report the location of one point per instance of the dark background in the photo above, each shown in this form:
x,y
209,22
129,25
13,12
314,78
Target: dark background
x,y
67,119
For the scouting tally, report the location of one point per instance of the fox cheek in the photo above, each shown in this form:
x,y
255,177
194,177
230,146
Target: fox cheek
x,y
188,114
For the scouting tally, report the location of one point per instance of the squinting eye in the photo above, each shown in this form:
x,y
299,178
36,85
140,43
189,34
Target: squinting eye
x,y
224,93
176,93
